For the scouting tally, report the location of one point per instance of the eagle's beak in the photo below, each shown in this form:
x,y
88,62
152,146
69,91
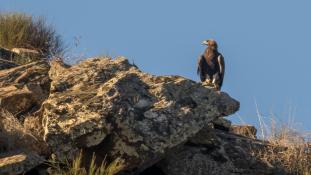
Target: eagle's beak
x,y
205,43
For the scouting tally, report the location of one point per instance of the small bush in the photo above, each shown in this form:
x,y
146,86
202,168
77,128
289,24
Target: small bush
x,y
18,30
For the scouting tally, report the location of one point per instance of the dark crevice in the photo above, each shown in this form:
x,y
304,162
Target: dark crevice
x,y
153,170
23,114
101,150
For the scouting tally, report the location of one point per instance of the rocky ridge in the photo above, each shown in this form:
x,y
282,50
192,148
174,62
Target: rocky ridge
x,y
111,108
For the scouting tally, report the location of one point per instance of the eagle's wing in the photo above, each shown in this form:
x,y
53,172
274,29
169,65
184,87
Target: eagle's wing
x,y
201,68
221,63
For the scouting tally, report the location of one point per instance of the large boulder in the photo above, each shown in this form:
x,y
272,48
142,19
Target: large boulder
x,y
110,107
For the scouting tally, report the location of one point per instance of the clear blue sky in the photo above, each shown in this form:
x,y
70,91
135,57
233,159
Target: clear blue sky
x,y
266,44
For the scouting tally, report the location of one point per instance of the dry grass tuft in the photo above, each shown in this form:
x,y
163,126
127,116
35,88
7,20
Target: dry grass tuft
x,y
288,149
76,167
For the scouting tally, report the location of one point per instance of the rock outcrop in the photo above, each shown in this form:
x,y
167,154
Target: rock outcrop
x,y
134,115
111,108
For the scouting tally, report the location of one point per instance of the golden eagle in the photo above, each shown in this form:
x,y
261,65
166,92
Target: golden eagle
x,y
211,65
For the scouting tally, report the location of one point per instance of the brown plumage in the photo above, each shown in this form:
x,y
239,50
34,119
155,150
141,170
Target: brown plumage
x,y
211,65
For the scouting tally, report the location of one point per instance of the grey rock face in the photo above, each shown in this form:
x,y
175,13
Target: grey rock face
x,y
104,104
216,152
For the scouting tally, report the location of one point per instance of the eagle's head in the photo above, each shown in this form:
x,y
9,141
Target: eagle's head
x,y
210,43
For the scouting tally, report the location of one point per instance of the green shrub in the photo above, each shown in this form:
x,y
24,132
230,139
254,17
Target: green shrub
x,y
18,30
